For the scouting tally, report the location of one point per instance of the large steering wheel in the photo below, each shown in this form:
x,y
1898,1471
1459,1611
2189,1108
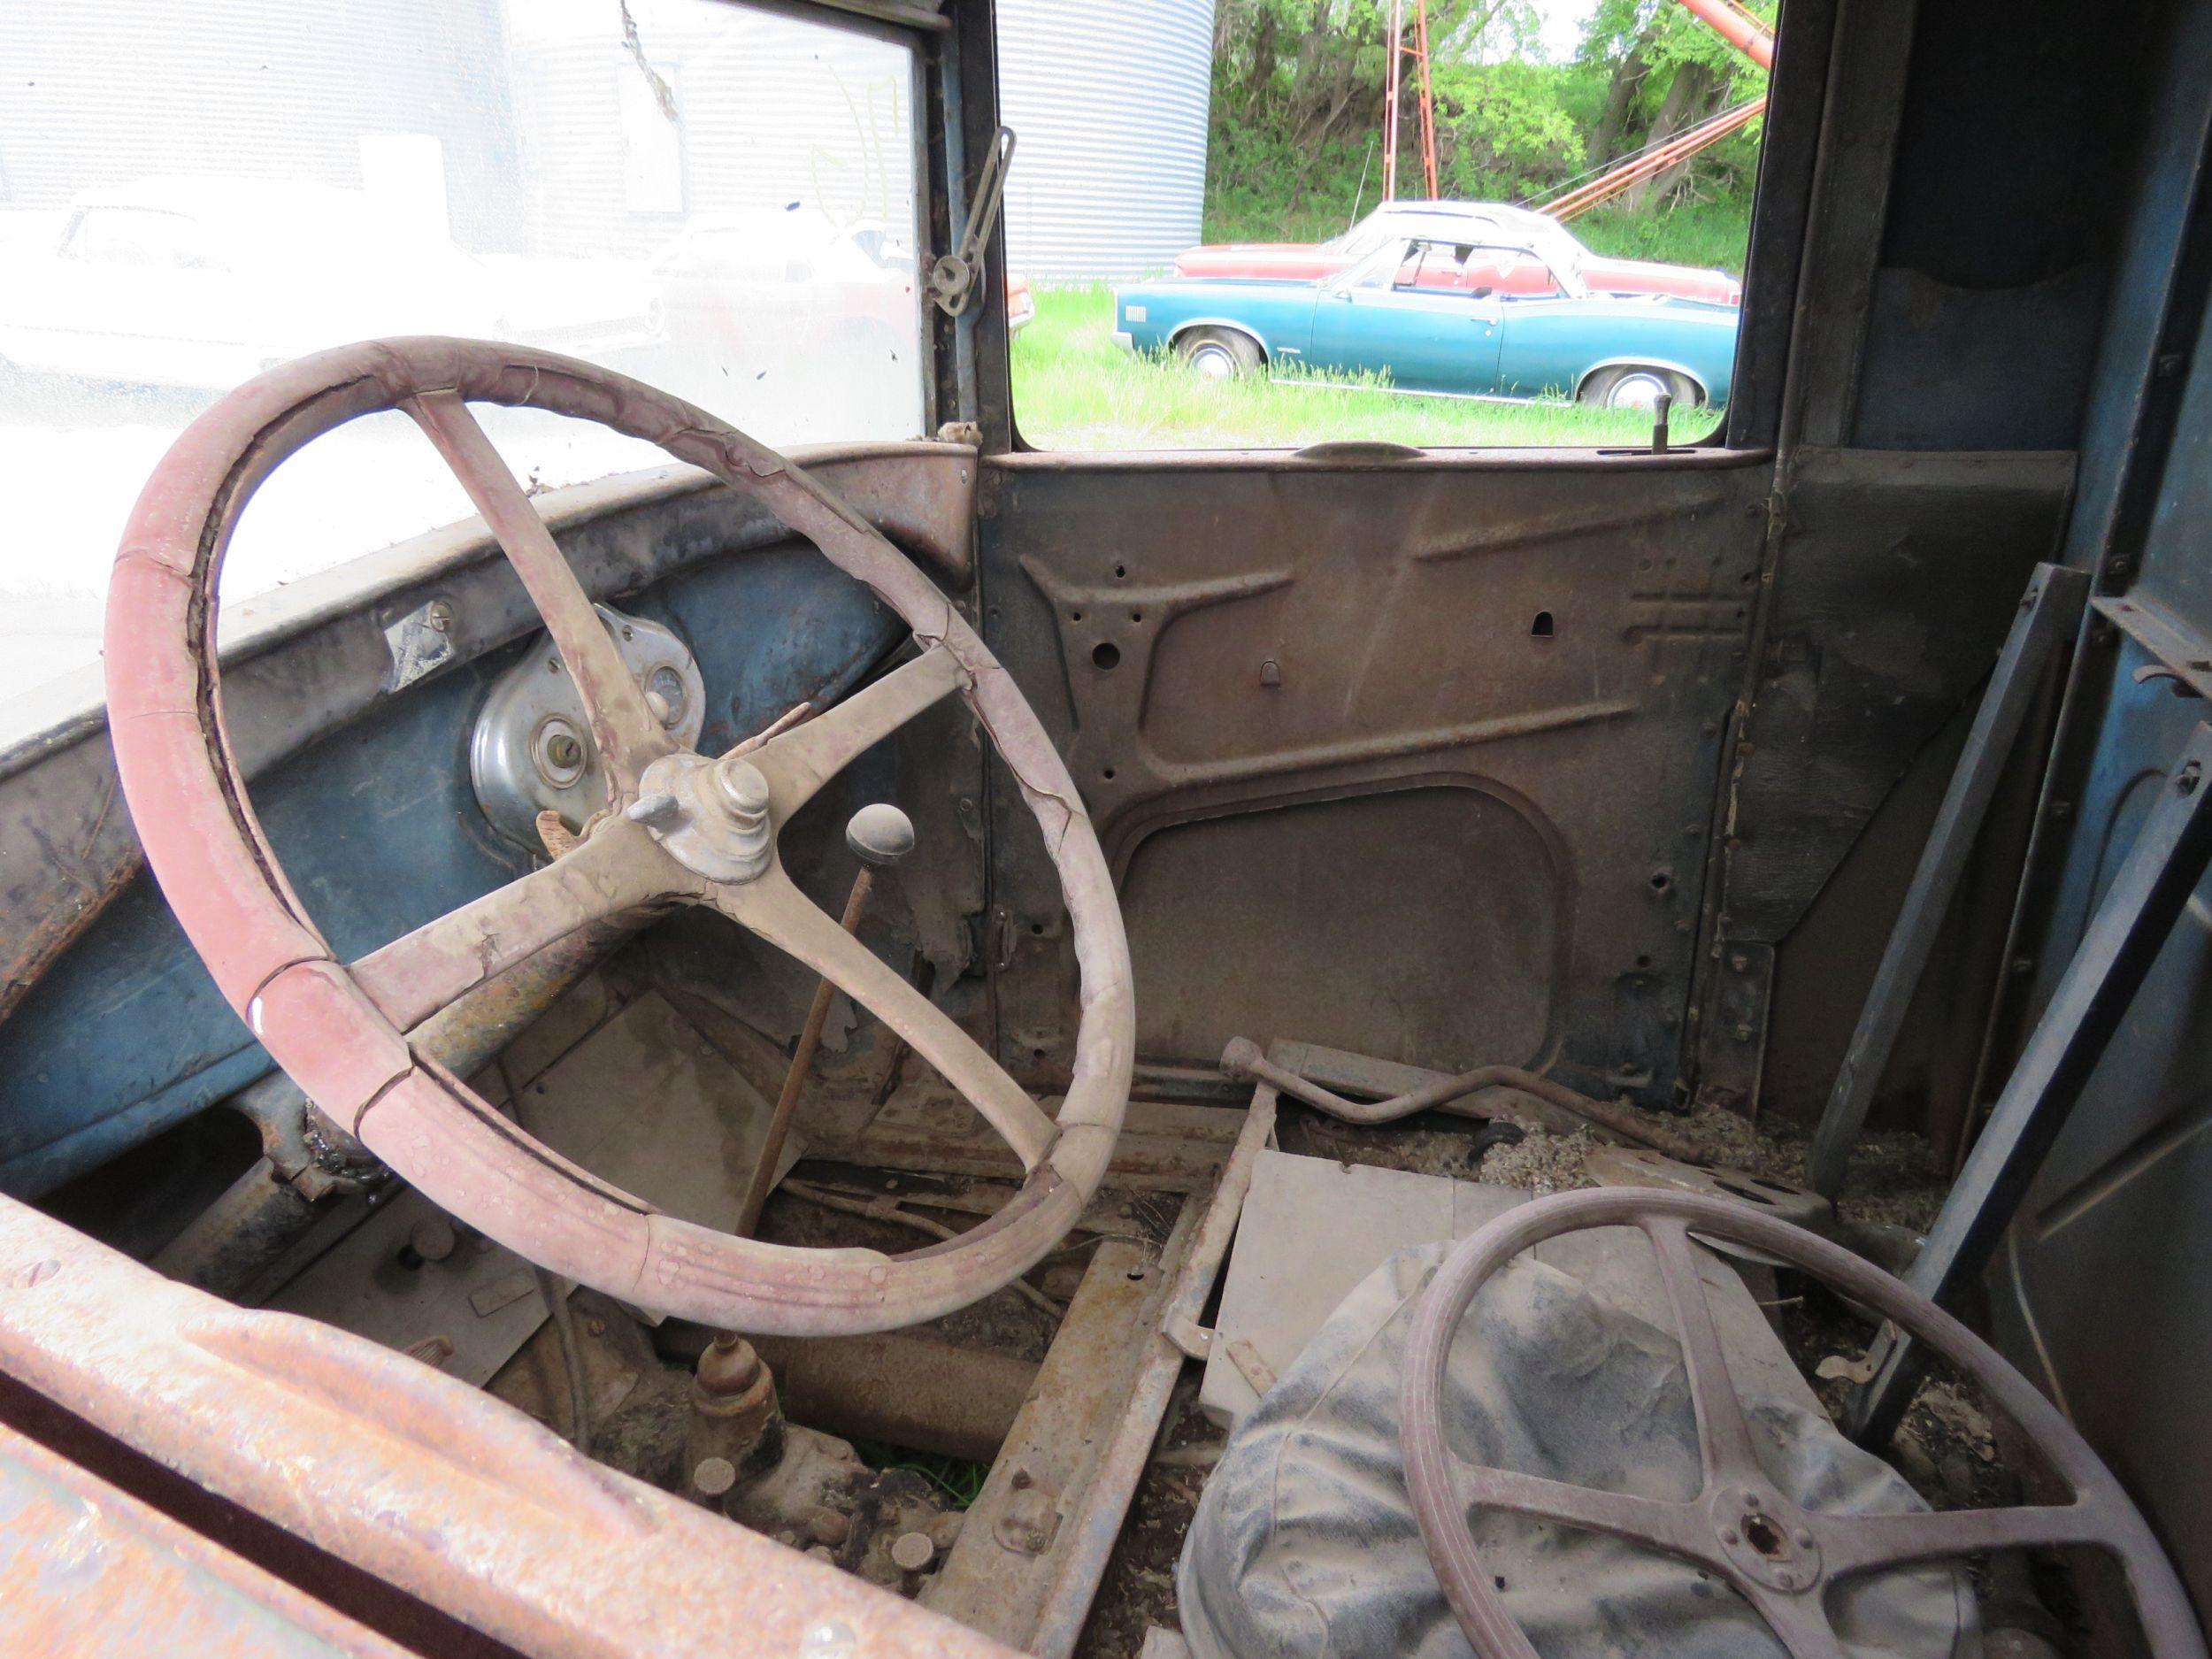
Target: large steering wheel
x,y
684,829
1778,1556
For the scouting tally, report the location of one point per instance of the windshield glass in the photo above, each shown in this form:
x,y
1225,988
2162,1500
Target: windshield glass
x,y
1475,270
716,201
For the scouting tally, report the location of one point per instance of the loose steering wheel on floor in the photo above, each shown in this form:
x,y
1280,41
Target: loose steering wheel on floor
x,y
683,829
1780,1557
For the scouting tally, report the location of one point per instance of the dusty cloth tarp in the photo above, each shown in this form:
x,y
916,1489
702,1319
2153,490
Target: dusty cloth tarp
x,y
1304,1545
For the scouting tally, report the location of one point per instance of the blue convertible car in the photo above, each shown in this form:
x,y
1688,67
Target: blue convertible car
x,y
1443,318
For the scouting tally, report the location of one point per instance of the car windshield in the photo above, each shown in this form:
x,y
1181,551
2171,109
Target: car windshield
x,y
718,201
1364,237
1477,269
1545,235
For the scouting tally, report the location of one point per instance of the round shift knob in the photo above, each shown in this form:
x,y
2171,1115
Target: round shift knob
x,y
880,835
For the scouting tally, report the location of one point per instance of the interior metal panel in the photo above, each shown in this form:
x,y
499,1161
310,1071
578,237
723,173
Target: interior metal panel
x,y
1566,634
2114,1236
1896,579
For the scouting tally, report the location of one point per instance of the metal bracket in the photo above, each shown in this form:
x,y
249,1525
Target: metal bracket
x,y
952,277
2050,613
1731,1041
2122,939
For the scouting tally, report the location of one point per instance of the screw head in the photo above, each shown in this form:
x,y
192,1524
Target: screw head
x,y
880,835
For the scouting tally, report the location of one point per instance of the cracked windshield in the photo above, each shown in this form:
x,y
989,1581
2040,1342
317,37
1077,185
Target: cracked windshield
x,y
1467,222
718,201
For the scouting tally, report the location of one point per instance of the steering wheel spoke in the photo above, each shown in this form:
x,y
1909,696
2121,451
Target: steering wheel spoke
x,y
1860,1543
616,869
628,738
776,910
1672,1526
799,762
1725,1445
1800,1619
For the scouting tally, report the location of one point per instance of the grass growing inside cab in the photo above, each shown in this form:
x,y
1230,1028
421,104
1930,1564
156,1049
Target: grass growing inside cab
x,y
957,1480
1074,389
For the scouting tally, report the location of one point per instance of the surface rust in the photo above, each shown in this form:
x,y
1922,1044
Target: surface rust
x,y
418,1479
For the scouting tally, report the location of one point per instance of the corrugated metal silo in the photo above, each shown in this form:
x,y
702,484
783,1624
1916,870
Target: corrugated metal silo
x,y
1109,104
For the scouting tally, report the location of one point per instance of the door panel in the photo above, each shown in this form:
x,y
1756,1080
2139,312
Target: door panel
x,y
1416,759
1425,340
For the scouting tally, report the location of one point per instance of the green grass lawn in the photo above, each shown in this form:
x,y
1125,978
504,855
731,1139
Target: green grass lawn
x,y
1074,389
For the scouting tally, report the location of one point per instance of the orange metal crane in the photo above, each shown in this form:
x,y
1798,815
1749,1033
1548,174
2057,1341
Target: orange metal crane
x,y
1740,30
1399,52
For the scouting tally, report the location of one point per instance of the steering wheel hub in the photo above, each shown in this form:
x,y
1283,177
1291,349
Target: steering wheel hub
x,y
710,814
1761,1534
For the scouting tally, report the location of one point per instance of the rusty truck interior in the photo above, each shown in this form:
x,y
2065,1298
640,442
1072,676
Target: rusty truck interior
x,y
915,1044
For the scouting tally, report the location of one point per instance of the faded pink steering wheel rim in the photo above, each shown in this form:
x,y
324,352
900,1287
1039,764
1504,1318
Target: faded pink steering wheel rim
x,y
339,1029
1785,1569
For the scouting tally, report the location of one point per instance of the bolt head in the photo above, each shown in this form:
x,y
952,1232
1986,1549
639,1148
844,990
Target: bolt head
x,y
432,1238
913,1551
880,835
714,1476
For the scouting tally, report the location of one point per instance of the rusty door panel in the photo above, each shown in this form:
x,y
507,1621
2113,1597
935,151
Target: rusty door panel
x,y
1273,878
1468,711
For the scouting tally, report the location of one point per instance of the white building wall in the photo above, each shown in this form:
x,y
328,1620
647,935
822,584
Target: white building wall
x,y
1108,100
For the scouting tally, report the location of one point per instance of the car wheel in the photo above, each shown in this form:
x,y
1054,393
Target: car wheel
x,y
1637,387
1221,354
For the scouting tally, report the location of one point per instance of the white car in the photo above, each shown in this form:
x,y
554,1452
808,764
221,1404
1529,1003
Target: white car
x,y
205,282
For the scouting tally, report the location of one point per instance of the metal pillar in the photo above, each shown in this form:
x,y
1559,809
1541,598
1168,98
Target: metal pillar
x,y
2122,939
2050,613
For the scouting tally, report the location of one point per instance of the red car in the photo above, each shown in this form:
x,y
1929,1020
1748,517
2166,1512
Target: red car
x,y
1467,222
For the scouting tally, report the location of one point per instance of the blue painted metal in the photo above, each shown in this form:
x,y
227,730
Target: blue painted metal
x,y
1449,340
379,828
